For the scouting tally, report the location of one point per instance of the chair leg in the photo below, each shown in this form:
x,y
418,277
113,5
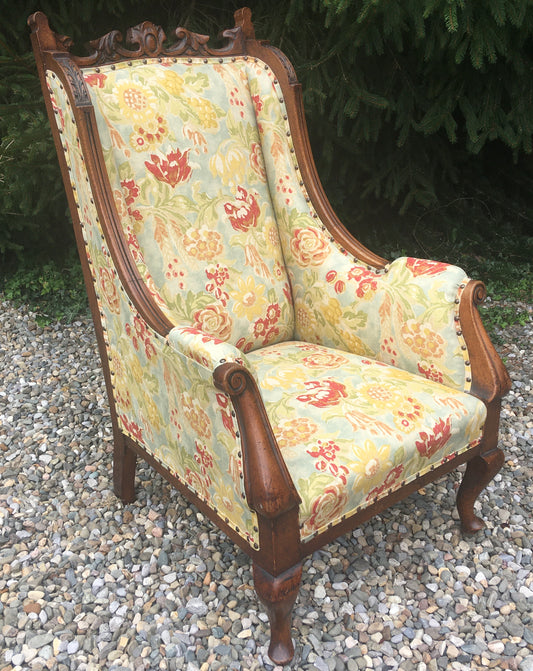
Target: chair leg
x,y
479,472
278,595
124,462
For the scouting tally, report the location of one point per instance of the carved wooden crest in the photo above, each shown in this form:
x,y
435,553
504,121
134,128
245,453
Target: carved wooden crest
x,y
147,40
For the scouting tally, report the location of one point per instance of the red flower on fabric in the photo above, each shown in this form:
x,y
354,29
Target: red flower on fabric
x,y
218,276
325,453
134,429
244,212
273,313
392,479
424,267
261,327
140,333
324,393
340,285
198,484
430,372
327,507
172,169
227,419
96,79
258,103
433,442
366,280
130,189
203,458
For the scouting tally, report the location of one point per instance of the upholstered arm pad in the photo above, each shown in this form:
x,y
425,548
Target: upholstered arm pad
x,y
406,314
422,332
205,349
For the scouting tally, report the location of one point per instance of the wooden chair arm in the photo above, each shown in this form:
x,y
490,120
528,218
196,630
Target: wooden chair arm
x,y
490,379
269,488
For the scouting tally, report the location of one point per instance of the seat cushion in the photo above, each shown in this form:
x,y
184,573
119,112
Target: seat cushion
x,y
352,430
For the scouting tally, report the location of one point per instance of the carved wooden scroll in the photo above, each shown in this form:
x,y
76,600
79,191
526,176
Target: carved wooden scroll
x,y
147,40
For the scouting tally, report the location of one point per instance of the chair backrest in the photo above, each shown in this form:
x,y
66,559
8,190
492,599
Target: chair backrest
x,y
191,148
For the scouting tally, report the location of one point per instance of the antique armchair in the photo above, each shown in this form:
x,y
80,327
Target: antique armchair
x,y
286,380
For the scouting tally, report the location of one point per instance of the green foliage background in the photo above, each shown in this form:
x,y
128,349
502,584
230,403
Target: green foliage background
x,y
420,115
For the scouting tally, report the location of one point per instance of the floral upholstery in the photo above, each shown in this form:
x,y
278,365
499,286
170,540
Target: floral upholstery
x,y
210,144
352,430
362,370
183,154
163,387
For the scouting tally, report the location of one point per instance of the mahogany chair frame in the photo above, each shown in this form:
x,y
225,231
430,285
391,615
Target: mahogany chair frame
x,y
277,563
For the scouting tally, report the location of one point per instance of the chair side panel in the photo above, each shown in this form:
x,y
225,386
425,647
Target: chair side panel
x,y
164,401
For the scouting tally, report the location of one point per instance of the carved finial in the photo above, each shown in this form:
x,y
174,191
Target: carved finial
x,y
48,40
243,20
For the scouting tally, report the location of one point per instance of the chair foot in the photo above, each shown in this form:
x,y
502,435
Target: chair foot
x,y
124,462
278,595
479,472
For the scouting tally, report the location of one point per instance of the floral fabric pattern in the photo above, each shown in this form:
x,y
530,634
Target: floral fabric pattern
x,y
183,154
352,429
362,370
163,387
342,303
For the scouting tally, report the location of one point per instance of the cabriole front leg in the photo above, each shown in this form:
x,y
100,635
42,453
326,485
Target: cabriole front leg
x,y
479,472
278,595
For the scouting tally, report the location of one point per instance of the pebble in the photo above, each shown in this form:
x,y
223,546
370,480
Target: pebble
x,y
89,583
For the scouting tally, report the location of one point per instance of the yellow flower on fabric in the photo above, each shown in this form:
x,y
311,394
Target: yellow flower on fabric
x,y
223,496
271,234
285,377
296,431
153,413
371,465
136,102
249,299
149,134
382,395
172,82
422,340
355,344
197,418
230,167
408,414
332,311
135,369
305,321
203,244
205,111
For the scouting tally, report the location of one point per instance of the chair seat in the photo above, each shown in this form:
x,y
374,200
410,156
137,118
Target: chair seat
x,y
351,430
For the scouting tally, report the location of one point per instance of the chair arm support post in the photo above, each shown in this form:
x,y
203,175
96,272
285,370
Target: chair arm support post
x,y
269,489
490,379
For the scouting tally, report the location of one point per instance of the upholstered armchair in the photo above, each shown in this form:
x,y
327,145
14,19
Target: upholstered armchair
x,y
286,380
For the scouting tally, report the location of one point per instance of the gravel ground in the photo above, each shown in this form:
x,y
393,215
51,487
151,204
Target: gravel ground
x,y
88,583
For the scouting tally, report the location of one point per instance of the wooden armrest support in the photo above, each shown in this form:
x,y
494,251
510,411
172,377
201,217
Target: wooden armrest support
x,y
490,379
269,488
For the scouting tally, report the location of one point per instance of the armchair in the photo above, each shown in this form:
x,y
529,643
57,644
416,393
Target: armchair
x,y
285,379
